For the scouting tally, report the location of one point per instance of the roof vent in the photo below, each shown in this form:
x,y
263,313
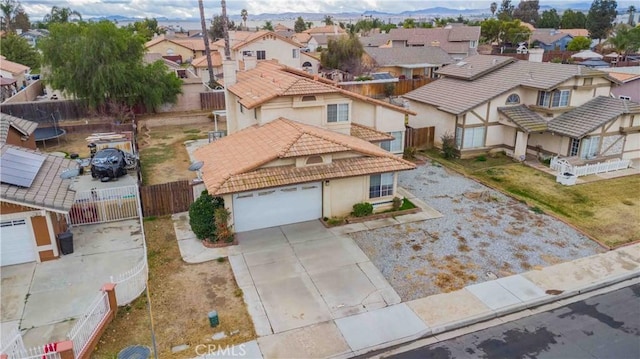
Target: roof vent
x,y
494,61
435,43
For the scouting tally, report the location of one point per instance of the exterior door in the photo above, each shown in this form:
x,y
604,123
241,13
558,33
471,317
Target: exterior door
x,y
277,206
16,242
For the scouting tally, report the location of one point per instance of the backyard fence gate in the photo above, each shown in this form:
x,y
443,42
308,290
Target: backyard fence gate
x,y
166,198
104,205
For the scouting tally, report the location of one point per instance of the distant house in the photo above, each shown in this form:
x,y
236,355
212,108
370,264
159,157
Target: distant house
x,y
321,41
525,107
628,87
459,41
34,35
178,49
325,30
550,39
200,66
408,62
17,131
13,70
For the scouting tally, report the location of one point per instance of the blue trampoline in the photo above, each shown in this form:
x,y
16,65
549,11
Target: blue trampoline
x,y
48,133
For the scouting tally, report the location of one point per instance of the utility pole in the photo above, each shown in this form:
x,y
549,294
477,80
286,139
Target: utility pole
x,y
225,29
205,38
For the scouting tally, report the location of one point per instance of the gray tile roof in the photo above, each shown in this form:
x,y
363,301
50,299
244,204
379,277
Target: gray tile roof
x,y
452,44
464,33
48,190
547,36
475,66
582,120
524,118
408,55
24,126
457,96
374,40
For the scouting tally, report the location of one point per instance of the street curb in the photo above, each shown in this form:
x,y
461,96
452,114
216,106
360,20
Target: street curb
x,y
480,318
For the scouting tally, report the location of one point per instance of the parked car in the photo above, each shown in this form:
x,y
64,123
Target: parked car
x,y
108,163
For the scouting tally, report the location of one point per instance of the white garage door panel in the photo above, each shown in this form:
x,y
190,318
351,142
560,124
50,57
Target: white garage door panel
x,y
16,244
277,206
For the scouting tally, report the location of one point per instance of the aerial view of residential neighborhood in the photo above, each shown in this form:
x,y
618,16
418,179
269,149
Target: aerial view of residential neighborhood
x,y
203,179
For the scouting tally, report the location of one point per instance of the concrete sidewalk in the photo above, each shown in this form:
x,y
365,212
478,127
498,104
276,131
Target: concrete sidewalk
x,y
443,313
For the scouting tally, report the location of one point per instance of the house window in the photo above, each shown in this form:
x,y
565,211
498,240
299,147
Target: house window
x,y
395,145
381,185
588,81
338,112
261,54
247,53
473,44
590,147
295,53
473,137
513,99
557,98
574,146
241,108
625,98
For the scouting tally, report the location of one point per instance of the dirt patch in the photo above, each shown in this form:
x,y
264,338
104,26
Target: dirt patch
x,y
70,143
181,297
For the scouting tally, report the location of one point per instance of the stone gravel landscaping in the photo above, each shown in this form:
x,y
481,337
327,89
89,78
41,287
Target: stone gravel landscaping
x,y
482,235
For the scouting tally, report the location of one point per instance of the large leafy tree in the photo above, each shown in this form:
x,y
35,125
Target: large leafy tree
x,y
10,9
527,11
17,49
573,20
514,32
600,18
506,11
61,15
21,21
490,30
327,20
579,43
102,64
146,28
268,25
300,25
217,27
343,53
549,20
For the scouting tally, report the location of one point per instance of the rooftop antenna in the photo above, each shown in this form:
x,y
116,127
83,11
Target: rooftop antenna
x,y
207,50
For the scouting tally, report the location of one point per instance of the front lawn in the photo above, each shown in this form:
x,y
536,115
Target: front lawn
x,y
607,210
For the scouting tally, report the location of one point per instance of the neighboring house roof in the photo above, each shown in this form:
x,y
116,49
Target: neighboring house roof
x,y
269,80
487,79
547,36
12,67
260,35
48,190
280,27
375,40
232,164
442,37
623,74
582,120
575,32
369,134
524,118
624,78
301,37
323,39
464,33
194,44
21,125
151,57
201,62
328,29
407,56
527,25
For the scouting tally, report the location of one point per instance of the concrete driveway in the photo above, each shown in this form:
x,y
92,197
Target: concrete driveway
x,y
301,274
44,299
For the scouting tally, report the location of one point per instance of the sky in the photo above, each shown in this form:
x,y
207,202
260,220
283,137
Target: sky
x,y
180,9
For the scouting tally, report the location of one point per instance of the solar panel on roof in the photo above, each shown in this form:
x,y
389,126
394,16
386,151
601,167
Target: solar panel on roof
x,y
19,168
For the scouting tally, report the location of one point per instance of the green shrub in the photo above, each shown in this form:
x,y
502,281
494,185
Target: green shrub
x,y
201,216
449,146
389,89
362,209
481,158
397,203
409,153
335,221
221,220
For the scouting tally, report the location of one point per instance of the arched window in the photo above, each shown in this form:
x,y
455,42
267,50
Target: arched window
x,y
513,99
306,64
314,160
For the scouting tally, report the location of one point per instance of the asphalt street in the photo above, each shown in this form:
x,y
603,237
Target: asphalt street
x,y
605,326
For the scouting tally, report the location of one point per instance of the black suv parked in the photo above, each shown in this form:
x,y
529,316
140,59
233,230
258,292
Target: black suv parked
x,y
108,163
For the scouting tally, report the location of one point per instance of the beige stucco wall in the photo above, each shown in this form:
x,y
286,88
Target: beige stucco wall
x,y
429,116
164,47
552,143
274,49
340,195
632,147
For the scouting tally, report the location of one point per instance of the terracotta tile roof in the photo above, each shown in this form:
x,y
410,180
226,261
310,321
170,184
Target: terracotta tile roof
x,y
216,60
624,78
412,55
260,35
280,27
194,44
232,164
301,37
48,190
480,89
328,29
524,118
269,80
369,134
582,120
12,67
23,126
575,32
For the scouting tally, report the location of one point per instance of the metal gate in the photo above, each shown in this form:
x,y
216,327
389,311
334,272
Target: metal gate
x,y
105,205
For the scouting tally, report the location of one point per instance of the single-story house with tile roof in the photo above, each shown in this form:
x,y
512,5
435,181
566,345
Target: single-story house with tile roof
x,y
506,104
17,131
187,48
286,172
34,202
407,61
550,39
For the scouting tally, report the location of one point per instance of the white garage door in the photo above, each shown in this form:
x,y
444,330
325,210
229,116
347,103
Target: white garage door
x,y
277,206
16,243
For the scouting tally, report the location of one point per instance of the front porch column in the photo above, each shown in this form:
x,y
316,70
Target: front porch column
x,y
520,150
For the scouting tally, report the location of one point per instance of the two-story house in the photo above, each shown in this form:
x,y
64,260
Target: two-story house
x,y
407,62
179,49
498,103
457,40
300,148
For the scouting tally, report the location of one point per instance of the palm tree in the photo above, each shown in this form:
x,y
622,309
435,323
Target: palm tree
x,y
61,15
620,41
493,8
632,13
244,14
268,26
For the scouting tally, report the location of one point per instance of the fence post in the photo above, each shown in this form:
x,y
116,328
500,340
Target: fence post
x,y
110,289
65,349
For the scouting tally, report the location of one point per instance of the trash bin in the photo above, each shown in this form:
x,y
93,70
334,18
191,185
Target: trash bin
x,y
213,319
66,242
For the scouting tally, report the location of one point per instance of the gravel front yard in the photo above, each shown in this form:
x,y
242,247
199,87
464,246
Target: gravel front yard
x,y
483,235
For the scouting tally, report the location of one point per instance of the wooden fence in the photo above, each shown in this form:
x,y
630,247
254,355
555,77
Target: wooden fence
x,y
419,137
166,198
212,100
377,90
41,111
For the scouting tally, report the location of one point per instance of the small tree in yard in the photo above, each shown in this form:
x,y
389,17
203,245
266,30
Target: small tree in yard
x,y
201,216
221,219
448,145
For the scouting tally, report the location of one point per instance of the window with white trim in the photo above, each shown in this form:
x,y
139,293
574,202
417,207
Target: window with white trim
x,y
513,99
261,55
557,98
590,146
395,145
574,146
473,137
338,112
381,185
296,53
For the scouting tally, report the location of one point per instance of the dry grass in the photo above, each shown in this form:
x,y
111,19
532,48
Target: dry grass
x,y
452,274
70,143
181,296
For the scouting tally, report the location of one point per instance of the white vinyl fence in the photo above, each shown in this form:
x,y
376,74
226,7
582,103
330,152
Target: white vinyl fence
x,y
88,324
130,284
37,353
104,205
562,166
12,344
